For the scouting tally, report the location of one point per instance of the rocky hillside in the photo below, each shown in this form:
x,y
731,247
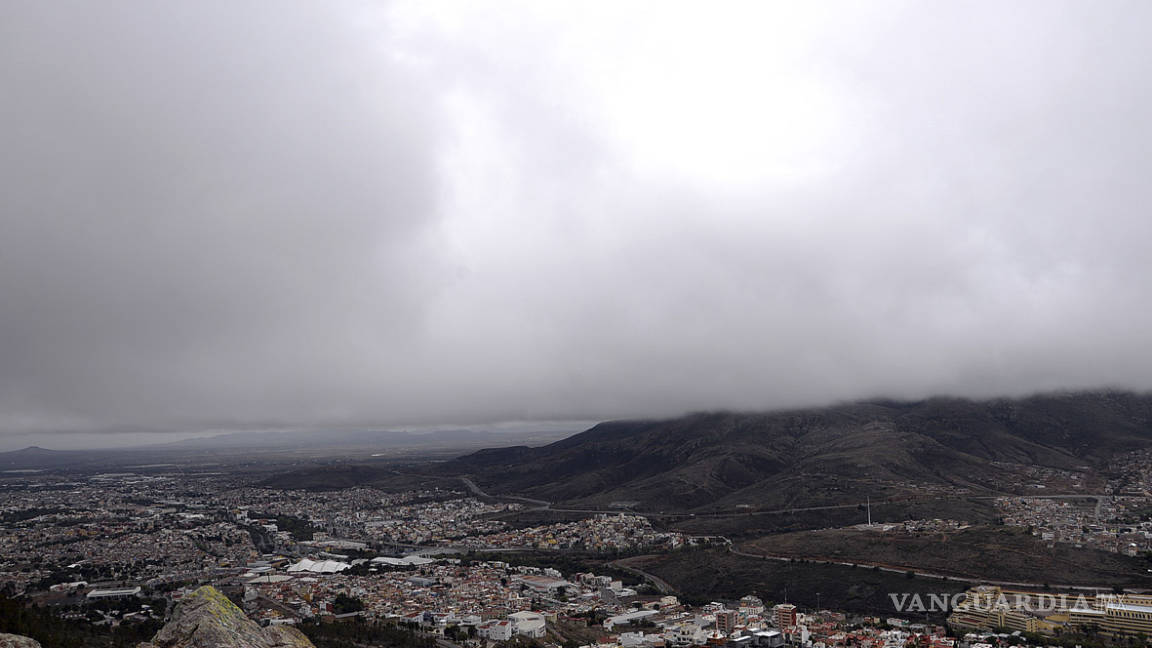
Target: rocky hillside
x,y
823,455
207,619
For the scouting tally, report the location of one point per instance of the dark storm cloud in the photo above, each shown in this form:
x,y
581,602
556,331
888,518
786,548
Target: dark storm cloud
x,y
207,209
220,214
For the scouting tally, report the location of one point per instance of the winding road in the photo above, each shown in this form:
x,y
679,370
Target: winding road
x,y
662,585
904,570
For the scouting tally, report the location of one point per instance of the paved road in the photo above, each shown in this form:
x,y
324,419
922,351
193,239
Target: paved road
x,y
903,570
661,584
543,504
479,492
272,603
736,514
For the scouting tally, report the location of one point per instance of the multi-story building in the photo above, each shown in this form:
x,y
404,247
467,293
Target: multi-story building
x,y
992,608
1127,618
726,621
785,615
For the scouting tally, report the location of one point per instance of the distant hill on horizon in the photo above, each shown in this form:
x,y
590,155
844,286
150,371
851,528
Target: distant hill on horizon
x,y
35,457
363,443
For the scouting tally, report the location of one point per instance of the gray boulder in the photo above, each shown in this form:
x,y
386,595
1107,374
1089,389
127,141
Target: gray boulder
x,y
16,641
207,619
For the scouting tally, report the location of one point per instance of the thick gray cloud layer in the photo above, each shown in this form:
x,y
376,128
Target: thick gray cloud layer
x,y
294,213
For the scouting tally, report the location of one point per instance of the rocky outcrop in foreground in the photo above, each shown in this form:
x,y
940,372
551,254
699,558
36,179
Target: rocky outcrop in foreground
x,y
17,641
207,619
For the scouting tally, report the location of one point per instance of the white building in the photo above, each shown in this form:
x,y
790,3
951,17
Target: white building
x,y
113,593
319,566
639,639
542,584
629,617
750,605
529,624
495,630
686,634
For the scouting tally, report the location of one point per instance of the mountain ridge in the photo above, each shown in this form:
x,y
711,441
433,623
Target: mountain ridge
x,y
813,454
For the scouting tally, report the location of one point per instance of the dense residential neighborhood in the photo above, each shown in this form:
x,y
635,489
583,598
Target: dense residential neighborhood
x,y
134,543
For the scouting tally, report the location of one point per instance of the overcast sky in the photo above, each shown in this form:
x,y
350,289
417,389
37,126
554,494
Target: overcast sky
x,y
251,214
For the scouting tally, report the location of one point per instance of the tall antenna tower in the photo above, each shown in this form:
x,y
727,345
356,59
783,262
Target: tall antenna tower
x,y
869,510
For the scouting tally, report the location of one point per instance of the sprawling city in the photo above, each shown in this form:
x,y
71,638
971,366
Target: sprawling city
x,y
437,557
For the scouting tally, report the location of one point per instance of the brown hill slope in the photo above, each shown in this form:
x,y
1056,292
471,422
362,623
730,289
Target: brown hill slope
x,y
807,457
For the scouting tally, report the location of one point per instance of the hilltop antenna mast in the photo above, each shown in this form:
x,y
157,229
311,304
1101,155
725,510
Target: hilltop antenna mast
x,y
869,510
